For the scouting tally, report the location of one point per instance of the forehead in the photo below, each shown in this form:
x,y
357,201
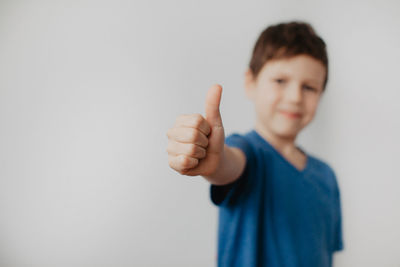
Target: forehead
x,y
302,67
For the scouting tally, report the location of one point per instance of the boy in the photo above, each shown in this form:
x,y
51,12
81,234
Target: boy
x,y
278,205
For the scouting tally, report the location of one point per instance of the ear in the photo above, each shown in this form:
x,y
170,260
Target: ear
x,y
249,84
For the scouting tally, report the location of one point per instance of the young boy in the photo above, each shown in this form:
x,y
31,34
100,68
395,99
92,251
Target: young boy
x,y
278,205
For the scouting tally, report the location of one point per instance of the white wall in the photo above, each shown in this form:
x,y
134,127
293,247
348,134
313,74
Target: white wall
x,y
89,89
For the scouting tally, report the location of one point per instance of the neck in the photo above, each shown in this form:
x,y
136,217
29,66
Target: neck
x,y
284,144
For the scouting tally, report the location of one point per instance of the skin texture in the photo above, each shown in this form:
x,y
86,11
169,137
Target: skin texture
x,y
282,88
285,94
196,143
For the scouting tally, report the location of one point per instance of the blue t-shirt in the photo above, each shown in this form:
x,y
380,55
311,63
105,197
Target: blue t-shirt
x,y
275,215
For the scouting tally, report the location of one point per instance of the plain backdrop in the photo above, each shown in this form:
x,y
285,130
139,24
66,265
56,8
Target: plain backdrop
x,y
88,90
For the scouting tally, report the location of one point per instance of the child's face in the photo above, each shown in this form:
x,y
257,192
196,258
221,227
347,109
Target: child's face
x,y
286,94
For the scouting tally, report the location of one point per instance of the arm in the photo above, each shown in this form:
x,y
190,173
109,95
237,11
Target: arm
x,y
232,165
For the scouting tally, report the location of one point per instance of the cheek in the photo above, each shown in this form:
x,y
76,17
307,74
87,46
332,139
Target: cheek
x,y
311,106
268,97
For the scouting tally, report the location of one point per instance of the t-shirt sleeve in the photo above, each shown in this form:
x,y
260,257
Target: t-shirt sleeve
x,y
338,233
228,194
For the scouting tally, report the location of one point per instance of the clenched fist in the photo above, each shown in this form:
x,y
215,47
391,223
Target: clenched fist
x,y
195,143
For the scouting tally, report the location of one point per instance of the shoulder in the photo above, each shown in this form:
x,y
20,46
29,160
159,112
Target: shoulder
x,y
324,170
241,141
321,165
238,137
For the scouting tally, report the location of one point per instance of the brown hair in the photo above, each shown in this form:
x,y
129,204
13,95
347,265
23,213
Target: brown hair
x,y
285,40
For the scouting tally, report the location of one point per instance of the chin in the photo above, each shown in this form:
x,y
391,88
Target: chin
x,y
289,135
287,132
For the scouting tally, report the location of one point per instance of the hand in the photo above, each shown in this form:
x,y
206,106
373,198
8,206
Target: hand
x,y
196,144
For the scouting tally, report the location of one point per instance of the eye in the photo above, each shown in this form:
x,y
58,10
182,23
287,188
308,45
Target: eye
x,y
280,81
309,88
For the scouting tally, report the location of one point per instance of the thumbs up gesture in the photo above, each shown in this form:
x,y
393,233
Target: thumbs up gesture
x,y
196,144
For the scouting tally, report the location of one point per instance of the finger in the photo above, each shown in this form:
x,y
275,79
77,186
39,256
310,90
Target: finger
x,y
196,121
213,115
188,135
192,150
182,163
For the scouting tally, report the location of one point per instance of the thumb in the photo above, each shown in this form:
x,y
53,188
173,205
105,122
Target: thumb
x,y
213,116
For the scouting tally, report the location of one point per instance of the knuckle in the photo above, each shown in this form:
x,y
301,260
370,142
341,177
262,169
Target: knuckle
x,y
205,142
188,172
197,119
184,161
171,163
193,149
194,135
187,163
202,153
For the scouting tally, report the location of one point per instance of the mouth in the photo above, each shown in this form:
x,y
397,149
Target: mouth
x,y
291,115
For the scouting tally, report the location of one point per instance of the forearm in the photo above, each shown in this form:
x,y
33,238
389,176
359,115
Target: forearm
x,y
230,168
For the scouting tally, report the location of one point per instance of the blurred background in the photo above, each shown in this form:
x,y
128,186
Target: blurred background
x,y
88,90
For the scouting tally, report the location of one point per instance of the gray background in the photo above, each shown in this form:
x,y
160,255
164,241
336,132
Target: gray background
x,y
88,90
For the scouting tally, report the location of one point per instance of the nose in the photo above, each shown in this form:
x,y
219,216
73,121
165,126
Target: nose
x,y
294,93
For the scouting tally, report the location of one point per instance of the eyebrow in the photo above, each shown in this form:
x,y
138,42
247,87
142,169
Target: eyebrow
x,y
312,81
284,75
